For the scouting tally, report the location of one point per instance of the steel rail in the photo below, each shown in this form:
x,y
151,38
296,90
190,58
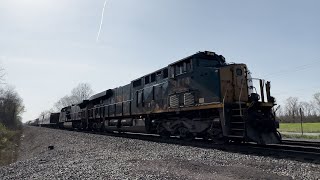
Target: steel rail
x,y
301,143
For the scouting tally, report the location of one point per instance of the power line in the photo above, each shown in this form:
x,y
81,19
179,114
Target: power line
x,y
294,69
297,90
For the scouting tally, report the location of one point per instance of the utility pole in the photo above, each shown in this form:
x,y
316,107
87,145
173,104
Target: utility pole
x,y
301,121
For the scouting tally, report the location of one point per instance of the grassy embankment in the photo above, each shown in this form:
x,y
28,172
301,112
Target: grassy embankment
x,y
9,141
296,128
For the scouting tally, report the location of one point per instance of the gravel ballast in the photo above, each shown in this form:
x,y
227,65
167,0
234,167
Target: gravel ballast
x,y
78,155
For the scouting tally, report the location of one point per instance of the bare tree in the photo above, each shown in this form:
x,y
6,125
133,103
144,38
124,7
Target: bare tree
x,y
310,110
292,107
279,111
64,102
82,92
316,99
2,73
307,108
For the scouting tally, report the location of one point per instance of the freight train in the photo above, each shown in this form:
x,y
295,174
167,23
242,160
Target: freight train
x,y
198,96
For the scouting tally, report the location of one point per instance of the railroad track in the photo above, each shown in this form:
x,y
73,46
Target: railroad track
x,y
304,151
307,147
290,151
301,143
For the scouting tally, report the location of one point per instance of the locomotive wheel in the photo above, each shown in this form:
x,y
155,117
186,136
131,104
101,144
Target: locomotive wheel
x,y
205,137
217,136
94,127
103,128
185,134
221,140
279,136
163,132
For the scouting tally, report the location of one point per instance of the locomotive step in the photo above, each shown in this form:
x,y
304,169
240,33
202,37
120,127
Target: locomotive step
x,y
235,129
242,109
238,102
237,115
235,136
238,122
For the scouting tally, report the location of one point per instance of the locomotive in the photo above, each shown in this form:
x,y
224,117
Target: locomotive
x,y
198,96
49,120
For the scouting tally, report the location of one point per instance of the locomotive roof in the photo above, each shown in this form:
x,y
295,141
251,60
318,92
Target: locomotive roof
x,y
200,54
204,54
103,94
98,95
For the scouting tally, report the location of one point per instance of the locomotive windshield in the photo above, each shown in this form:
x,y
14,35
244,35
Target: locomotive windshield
x,y
250,83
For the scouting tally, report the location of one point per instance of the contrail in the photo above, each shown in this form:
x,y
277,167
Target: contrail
x,y
101,22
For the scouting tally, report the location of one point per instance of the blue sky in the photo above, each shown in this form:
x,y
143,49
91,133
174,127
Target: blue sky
x,y
49,46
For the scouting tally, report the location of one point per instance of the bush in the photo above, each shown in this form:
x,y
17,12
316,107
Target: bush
x,y
6,136
9,141
11,108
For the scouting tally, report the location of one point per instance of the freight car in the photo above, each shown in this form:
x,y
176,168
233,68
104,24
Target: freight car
x,y
198,96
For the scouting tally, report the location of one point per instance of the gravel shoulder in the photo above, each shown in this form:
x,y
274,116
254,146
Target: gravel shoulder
x,y
79,155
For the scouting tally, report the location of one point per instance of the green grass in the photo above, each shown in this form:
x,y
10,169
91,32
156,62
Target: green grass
x,y
296,127
297,136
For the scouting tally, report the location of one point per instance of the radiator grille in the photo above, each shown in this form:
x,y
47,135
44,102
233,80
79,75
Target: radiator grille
x,y
174,101
188,99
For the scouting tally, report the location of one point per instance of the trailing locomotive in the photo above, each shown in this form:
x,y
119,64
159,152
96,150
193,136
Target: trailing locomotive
x,y
49,120
198,96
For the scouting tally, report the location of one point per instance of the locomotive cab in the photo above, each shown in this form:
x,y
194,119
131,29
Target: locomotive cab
x,y
195,80
224,98
247,113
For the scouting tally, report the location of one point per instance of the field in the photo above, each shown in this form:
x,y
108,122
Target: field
x,y
293,130
296,127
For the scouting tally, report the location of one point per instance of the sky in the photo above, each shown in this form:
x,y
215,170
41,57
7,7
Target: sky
x,y
47,47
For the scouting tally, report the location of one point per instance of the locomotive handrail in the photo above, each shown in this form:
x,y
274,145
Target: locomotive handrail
x,y
261,84
255,79
223,113
240,94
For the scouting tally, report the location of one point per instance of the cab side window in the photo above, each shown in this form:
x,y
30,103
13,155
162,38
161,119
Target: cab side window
x,y
182,67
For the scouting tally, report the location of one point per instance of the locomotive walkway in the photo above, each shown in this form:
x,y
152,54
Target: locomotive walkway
x,y
77,155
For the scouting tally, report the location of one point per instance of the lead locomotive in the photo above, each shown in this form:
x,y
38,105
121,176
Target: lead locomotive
x,y
198,96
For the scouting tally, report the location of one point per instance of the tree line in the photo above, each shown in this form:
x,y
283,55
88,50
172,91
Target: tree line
x,y
11,105
310,110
